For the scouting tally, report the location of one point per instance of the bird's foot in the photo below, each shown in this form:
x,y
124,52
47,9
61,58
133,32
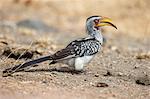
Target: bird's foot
x,y
78,71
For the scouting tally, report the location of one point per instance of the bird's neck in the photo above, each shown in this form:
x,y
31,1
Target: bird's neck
x,y
96,34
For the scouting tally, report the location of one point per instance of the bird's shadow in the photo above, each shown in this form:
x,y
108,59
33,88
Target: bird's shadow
x,y
61,69
52,69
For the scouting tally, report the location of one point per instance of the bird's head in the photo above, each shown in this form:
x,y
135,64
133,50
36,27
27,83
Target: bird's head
x,y
96,22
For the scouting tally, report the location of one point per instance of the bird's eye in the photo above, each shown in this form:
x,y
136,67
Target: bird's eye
x,y
96,21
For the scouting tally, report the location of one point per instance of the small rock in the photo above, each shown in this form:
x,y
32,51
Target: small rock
x,y
143,80
54,73
143,56
96,75
114,62
108,73
120,74
44,81
99,84
136,67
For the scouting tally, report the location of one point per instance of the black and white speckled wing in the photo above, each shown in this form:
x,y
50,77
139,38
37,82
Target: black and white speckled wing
x,y
78,48
85,47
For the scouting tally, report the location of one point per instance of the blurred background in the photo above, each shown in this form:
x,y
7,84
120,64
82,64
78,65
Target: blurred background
x,y
131,18
57,22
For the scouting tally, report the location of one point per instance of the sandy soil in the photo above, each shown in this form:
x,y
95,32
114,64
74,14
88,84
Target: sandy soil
x,y
120,71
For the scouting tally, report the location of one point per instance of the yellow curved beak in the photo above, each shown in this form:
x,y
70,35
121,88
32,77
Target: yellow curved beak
x,y
106,22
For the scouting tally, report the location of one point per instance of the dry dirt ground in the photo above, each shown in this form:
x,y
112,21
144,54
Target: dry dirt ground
x,y
120,71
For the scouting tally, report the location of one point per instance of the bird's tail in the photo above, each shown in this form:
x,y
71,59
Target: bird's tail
x,y
19,67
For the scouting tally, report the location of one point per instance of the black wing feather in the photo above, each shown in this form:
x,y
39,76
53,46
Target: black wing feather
x,y
78,48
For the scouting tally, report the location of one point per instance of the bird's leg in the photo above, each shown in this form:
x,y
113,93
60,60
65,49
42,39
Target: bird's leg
x,y
78,72
63,69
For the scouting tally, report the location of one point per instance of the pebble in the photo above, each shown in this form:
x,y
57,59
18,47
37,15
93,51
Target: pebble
x,y
143,55
108,73
145,80
85,79
96,75
120,74
99,84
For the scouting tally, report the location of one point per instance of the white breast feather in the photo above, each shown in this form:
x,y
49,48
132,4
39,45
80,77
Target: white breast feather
x,y
81,61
